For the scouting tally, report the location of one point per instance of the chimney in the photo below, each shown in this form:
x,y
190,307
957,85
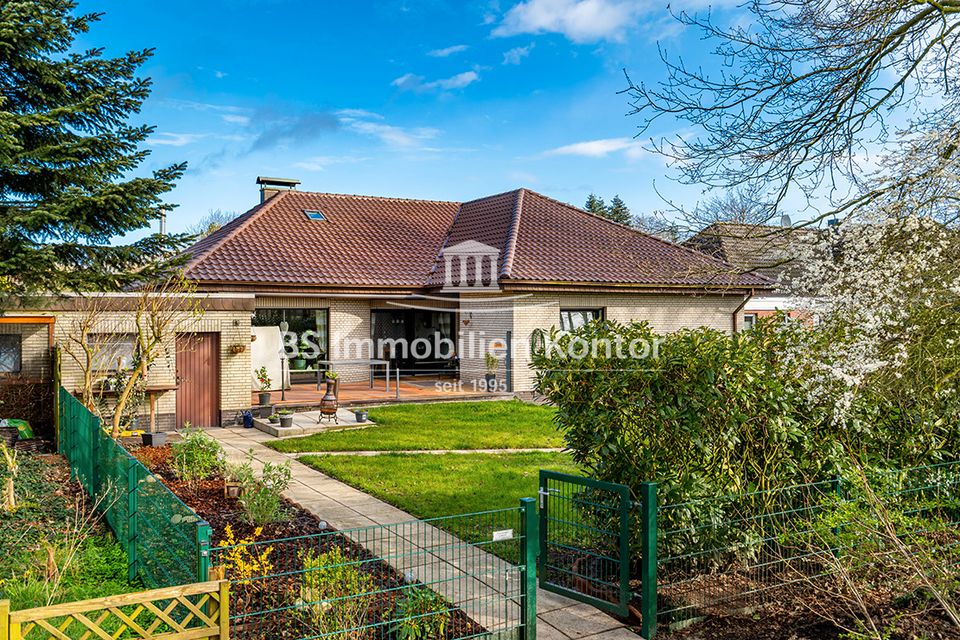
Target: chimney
x,y
270,187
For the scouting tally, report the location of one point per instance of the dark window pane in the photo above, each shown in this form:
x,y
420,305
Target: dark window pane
x,y
11,353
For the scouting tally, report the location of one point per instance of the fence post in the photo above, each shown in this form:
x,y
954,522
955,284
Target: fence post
x,y
133,482
4,619
648,559
837,488
528,557
203,551
224,619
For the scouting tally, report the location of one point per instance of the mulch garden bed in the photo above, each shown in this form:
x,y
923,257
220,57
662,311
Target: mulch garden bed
x,y
796,611
274,605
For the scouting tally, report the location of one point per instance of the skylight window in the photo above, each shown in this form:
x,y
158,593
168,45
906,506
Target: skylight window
x,y
314,214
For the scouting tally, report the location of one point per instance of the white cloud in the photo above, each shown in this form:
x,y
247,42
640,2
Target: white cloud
x,y
389,134
578,20
220,75
600,148
413,82
448,51
515,55
176,139
358,113
320,163
236,119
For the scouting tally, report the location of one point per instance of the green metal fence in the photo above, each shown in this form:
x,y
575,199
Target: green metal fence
x,y
380,581
166,541
731,555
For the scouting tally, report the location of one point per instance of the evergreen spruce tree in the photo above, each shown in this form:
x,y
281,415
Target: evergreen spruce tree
x,y
595,205
68,158
618,211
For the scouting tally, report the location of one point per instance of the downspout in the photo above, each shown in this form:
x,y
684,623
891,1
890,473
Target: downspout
x,y
737,311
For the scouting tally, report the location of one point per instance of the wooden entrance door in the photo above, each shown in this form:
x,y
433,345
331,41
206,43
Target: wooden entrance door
x,y
198,379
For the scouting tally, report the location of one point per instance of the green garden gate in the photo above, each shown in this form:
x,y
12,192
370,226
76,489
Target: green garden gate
x,y
585,540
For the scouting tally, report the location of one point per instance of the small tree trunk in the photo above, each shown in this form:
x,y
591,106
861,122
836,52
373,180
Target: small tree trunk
x,y
9,497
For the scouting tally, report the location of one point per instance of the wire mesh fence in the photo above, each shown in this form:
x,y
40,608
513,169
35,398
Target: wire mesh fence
x,y
733,555
408,580
165,540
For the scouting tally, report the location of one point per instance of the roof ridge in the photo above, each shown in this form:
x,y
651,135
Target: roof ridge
x,y
369,197
510,248
675,245
494,195
247,218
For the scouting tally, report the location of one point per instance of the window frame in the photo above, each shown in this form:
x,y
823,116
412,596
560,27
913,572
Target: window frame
x,y
18,337
600,313
99,354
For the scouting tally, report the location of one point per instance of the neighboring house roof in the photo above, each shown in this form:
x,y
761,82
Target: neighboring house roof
x,y
763,249
369,242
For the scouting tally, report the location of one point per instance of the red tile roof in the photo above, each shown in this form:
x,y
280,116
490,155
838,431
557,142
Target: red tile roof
x,y
395,243
364,241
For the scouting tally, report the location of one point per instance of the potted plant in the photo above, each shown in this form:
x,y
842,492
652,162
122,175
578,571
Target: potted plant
x,y
266,410
264,381
274,418
236,479
300,362
157,439
286,418
361,414
493,363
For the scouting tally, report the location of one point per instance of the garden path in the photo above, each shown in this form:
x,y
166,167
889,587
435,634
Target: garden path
x,y
344,507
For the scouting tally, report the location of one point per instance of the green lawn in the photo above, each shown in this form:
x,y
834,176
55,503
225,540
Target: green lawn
x,y
451,425
428,485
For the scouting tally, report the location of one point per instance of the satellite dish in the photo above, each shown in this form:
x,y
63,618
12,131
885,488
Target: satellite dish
x,y
785,221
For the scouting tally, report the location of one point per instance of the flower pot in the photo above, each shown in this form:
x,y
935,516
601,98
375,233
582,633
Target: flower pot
x,y
232,489
266,411
361,415
273,419
491,380
154,439
286,421
264,397
298,364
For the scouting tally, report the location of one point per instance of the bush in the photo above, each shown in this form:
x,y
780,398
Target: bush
x,y
422,614
708,415
335,594
196,456
261,499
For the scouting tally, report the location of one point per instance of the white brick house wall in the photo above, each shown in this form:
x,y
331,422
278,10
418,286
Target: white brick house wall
x,y
542,311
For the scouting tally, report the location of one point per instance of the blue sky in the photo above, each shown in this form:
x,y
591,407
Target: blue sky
x,y
428,98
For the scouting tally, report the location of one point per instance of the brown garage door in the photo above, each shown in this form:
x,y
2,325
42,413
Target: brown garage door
x,y
198,377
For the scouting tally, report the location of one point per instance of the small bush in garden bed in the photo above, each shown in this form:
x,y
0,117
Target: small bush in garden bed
x,y
261,499
334,593
196,456
422,614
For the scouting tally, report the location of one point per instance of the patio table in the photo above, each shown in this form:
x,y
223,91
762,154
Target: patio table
x,y
373,362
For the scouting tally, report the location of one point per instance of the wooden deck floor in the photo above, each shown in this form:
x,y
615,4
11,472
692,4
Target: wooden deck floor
x,y
416,389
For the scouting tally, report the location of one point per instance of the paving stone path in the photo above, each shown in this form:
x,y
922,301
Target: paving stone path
x,y
344,507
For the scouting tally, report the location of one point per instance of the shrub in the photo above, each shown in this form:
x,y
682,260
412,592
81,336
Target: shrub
x,y
261,500
422,614
335,594
196,456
